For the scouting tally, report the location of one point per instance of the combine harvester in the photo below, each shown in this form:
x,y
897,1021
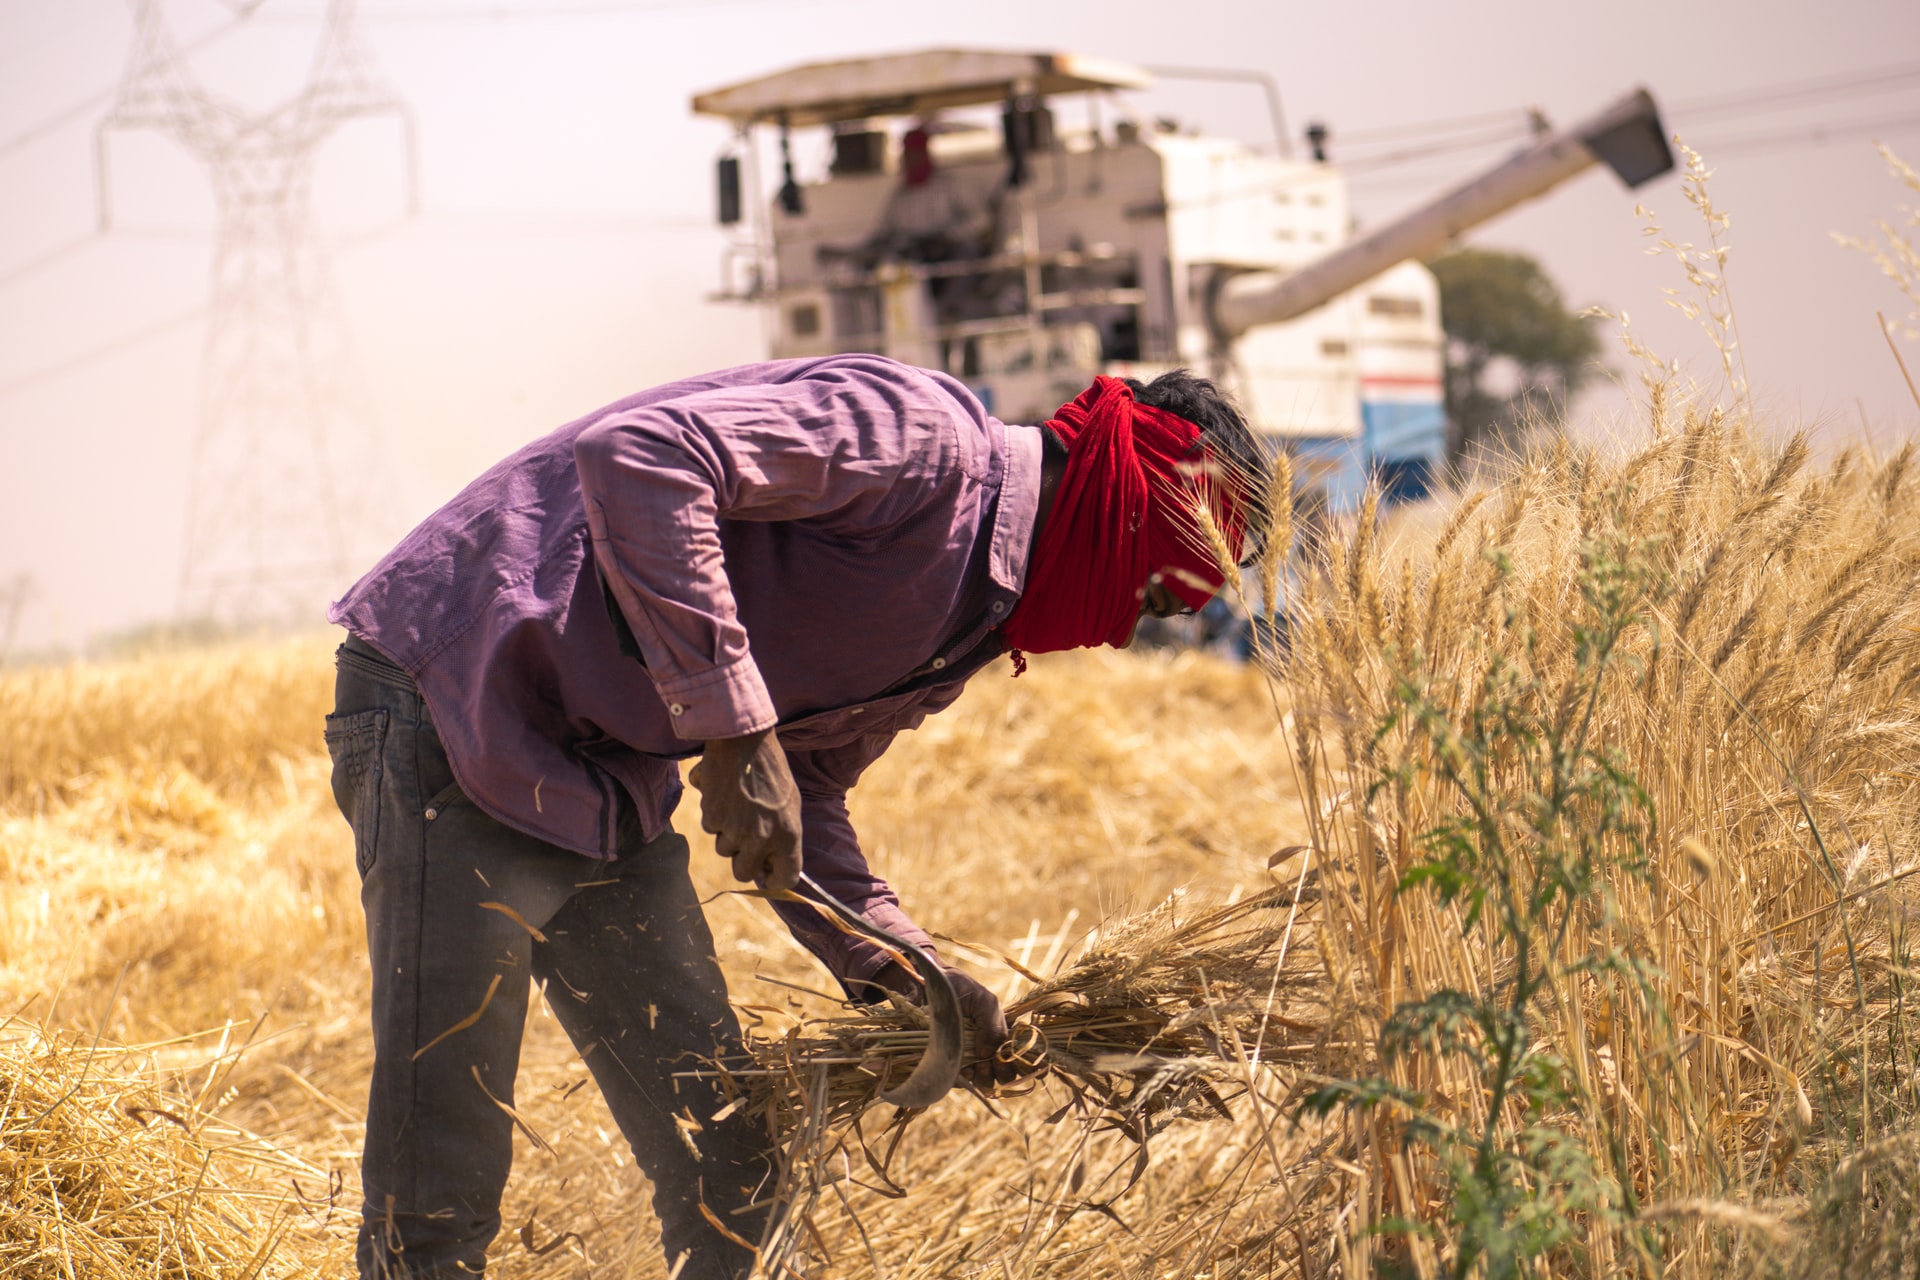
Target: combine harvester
x,y
1024,256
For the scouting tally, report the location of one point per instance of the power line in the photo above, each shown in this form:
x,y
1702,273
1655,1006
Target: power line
x,y
1712,148
104,97
515,224
480,225
105,350
1863,82
48,258
1866,82
115,346
481,13
1385,160
1843,131
541,222
1450,124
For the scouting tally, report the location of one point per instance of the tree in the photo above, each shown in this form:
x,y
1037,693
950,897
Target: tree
x,y
1504,315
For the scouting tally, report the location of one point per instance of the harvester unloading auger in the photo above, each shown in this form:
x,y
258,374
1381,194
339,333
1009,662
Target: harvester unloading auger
x,y
1627,137
1024,256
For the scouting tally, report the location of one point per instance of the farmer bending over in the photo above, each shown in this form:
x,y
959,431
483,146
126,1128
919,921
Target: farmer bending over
x,y
774,568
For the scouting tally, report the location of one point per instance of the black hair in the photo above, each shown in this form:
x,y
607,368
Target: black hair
x,y
1230,443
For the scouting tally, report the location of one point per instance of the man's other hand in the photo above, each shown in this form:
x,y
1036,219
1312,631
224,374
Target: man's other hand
x,y
751,807
981,1009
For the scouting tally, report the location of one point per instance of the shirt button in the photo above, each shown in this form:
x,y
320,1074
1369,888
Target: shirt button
x,y
431,814
999,606
676,709
939,663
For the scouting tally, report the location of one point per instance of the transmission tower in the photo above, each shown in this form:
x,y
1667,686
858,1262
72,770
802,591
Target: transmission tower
x,y
271,523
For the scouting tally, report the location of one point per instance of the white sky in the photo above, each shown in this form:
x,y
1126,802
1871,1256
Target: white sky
x,y
565,246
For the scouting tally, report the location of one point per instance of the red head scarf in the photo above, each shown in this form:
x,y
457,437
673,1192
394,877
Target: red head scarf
x,y
1122,517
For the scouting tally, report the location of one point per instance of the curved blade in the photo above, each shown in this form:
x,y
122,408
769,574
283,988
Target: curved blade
x,y
939,1066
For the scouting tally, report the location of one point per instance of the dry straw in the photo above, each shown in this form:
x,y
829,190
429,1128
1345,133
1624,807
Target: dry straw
x,y
106,1173
1098,780
1161,1018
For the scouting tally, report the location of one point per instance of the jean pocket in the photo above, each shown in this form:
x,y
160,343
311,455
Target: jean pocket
x,y
356,741
443,799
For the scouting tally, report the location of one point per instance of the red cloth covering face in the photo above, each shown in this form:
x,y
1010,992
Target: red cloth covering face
x,y
1123,516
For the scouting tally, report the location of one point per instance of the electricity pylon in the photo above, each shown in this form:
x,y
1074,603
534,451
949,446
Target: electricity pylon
x,y
272,522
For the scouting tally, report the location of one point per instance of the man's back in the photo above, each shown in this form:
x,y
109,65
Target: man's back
x,y
782,542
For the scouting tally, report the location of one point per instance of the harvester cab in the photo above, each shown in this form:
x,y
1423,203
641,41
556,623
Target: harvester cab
x,y
955,219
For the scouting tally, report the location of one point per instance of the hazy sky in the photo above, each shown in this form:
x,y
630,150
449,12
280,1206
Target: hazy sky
x,y
564,248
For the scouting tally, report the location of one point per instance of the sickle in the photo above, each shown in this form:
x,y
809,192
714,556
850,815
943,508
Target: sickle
x,y
939,1066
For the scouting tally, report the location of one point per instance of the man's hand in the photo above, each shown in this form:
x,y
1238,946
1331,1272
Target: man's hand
x,y
981,1009
749,803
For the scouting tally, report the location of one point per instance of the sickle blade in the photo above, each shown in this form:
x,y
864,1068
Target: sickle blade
x,y
939,1066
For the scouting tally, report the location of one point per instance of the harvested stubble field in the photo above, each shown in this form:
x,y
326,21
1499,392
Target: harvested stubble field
x,y
172,870
1587,953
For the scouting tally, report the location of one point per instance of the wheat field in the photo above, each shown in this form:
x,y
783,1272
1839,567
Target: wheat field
x,y
1618,755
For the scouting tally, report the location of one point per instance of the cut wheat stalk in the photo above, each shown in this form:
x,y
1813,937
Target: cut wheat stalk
x,y
1166,1016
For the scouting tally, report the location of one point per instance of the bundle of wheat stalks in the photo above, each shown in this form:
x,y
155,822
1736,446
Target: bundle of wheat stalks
x,y
1162,1017
103,1172
1176,1013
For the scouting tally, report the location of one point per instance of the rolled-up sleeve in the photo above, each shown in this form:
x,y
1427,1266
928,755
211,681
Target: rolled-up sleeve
x,y
658,479
832,856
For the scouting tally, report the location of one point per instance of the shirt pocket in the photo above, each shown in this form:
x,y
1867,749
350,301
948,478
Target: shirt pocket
x,y
356,742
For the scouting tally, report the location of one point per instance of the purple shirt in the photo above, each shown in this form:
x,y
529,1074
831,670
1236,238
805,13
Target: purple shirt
x,y
823,545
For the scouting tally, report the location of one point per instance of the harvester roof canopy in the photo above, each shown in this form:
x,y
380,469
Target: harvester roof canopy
x,y
904,84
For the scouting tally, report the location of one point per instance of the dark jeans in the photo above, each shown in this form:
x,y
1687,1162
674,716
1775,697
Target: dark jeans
x,y
623,951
